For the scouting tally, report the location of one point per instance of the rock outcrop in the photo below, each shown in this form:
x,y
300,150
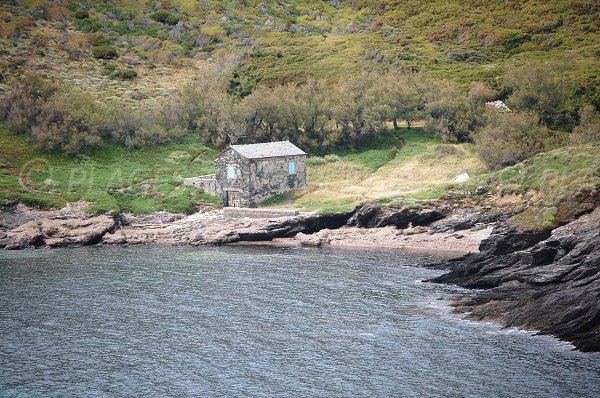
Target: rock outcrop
x,y
72,226
370,216
544,281
58,232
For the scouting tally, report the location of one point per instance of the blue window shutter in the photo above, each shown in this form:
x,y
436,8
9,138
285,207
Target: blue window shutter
x,y
230,172
292,167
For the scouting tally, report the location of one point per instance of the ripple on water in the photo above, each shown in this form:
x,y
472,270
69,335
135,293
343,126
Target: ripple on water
x,y
167,321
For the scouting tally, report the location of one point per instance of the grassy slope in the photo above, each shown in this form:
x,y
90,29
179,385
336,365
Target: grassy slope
x,y
406,164
279,41
556,185
545,190
112,178
405,167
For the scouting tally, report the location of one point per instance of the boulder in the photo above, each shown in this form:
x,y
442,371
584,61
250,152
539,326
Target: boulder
x,y
461,178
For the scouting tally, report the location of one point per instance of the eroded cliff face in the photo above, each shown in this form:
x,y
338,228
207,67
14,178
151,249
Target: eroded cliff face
x,y
544,281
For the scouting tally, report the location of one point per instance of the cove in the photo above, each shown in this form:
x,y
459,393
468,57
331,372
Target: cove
x,y
252,321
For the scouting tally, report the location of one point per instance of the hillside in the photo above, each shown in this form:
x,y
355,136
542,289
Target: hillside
x,y
114,102
168,42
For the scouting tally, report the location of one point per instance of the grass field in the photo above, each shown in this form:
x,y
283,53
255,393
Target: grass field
x,y
404,162
408,166
111,179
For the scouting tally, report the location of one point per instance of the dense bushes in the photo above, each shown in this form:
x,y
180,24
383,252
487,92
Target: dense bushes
x,y
509,138
56,118
164,16
105,52
589,126
317,115
59,118
22,103
68,121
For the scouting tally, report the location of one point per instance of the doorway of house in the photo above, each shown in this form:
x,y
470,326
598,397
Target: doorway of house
x,y
234,199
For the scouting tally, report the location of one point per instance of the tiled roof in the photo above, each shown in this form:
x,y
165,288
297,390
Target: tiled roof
x,y
268,150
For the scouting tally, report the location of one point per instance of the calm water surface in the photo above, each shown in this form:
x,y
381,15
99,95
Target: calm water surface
x,y
147,321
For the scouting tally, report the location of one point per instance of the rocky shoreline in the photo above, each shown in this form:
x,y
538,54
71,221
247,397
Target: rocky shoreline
x,y
458,231
544,281
547,281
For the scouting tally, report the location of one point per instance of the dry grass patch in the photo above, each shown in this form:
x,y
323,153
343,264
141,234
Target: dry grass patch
x,y
348,181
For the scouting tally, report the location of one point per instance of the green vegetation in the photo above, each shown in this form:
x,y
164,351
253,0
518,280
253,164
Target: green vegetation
x,y
564,180
379,92
276,199
406,166
545,190
105,52
164,16
111,179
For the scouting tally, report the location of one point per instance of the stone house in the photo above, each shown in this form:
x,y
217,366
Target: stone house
x,y
247,174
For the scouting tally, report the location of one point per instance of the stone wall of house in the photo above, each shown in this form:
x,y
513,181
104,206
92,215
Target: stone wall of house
x,y
257,179
240,183
270,176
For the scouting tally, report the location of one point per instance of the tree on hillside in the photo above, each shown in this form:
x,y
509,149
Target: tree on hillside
x,y
402,97
21,105
292,111
357,110
445,104
589,126
541,88
509,138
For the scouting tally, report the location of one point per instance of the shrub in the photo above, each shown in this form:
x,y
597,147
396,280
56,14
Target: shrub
x,y
541,88
589,126
467,56
68,121
81,14
164,16
316,161
98,39
105,52
452,116
88,25
22,103
212,33
510,138
332,158
127,74
512,38
136,128
58,119
77,46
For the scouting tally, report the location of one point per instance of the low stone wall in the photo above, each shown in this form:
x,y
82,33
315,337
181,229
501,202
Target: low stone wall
x,y
240,212
207,183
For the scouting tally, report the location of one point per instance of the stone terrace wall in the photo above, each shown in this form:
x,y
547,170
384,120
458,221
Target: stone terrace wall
x,y
207,183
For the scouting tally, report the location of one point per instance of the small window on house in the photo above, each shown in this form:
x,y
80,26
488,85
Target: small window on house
x,y
231,172
292,167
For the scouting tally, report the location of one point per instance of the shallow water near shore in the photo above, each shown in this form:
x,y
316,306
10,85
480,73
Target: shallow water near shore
x,y
258,321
